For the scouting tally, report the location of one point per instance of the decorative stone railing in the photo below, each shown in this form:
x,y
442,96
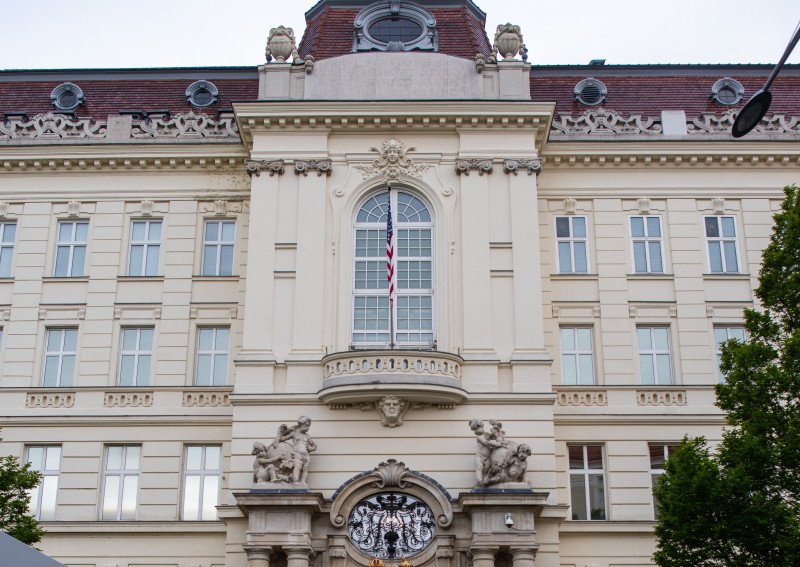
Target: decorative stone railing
x,y
128,399
661,397
206,399
426,376
51,126
582,398
186,125
50,399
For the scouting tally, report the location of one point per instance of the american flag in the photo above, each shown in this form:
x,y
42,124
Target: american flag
x,y
391,260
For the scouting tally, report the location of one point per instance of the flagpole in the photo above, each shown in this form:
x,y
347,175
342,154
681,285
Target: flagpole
x,y
390,262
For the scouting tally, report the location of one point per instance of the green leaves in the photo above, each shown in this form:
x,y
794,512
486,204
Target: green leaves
x,y
15,481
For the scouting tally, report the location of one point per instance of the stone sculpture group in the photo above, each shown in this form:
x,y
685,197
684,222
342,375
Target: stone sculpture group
x,y
286,458
498,460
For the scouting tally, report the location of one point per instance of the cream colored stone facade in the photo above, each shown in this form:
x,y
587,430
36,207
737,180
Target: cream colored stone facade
x,y
500,302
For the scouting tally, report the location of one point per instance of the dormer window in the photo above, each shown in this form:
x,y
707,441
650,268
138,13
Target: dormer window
x,y
67,96
390,26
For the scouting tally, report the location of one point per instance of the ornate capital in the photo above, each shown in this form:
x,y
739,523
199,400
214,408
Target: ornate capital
x,y
514,165
482,165
257,166
320,166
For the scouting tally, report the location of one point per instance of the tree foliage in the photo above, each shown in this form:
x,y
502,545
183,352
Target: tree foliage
x,y
15,481
740,505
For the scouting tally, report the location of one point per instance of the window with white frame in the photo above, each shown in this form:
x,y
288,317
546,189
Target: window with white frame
x,y
410,322
218,244
571,242
659,453
121,482
212,356
145,248
8,231
723,251
71,249
136,353
46,460
577,355
655,362
722,334
201,474
61,347
587,482
646,244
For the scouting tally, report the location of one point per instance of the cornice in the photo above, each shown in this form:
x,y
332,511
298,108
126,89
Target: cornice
x,y
673,153
397,116
86,158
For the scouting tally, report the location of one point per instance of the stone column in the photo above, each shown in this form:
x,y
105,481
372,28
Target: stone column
x,y
297,556
483,557
258,556
523,557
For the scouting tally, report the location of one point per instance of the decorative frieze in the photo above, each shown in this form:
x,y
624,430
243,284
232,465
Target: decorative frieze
x,y
50,126
206,399
50,400
481,165
398,362
604,122
128,399
582,398
393,161
323,166
661,397
515,165
257,166
186,125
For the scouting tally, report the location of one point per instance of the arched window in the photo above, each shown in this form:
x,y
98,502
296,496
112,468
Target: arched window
x,y
410,322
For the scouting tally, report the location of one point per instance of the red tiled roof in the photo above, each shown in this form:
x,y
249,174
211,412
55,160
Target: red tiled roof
x,y
330,34
106,97
649,95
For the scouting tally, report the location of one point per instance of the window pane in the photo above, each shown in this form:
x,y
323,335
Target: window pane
x,y
646,369
50,372
579,227
568,369
656,456
191,498
575,456
715,256
643,334
49,492
78,255
639,257
67,368
146,339
210,491
228,230
135,263
585,339
578,497
586,370
564,257
62,262
712,227
110,497
728,227
212,231
581,265
52,458
132,458
562,227
737,333
594,456
212,458
130,485
662,363
637,226
81,231
597,496
206,339
9,230
36,457
222,339
653,227
129,339
65,231
226,261
731,265
114,458
568,339
5,262
209,260
138,230
661,336
194,458
126,371
143,371
70,340
151,269
220,370
655,257
154,234
203,370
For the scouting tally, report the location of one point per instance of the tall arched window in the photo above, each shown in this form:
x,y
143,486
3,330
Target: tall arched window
x,y
410,322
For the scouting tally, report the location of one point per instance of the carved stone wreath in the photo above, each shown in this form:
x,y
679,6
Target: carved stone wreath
x,y
393,162
391,525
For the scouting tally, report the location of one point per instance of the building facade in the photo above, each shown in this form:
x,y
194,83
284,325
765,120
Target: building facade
x,y
191,259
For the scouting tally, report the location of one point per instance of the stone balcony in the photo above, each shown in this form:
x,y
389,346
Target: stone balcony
x,y
366,375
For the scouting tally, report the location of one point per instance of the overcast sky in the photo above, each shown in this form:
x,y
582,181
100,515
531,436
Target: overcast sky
x,y
51,34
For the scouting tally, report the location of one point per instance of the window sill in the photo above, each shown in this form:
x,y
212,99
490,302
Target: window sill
x,y
139,278
570,276
65,278
7,279
726,276
213,278
651,276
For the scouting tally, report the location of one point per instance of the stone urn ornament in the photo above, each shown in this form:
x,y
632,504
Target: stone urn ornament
x,y
281,44
508,41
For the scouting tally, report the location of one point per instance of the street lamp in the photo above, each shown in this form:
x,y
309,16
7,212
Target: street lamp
x,y
755,109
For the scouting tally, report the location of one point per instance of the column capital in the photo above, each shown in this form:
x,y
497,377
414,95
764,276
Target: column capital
x,y
522,553
321,166
254,166
483,165
515,165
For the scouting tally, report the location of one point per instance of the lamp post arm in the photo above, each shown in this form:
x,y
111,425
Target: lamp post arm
x,y
785,56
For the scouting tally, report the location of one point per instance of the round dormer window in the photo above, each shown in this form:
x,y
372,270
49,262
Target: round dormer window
x,y
727,91
395,29
67,96
590,92
201,94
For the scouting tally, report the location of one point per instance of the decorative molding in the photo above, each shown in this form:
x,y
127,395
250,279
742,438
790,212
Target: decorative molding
x,y
604,122
186,125
205,399
661,397
3,209
73,208
147,208
390,474
709,123
570,205
719,205
481,165
220,207
320,166
514,165
582,398
393,161
508,42
50,126
128,399
644,205
50,400
253,166
410,363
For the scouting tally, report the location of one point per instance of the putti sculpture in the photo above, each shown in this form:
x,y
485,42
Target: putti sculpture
x,y
287,458
498,461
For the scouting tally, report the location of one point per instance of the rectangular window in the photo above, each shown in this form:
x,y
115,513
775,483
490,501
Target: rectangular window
x,y
218,242
212,356
59,357
722,334
135,356
658,455
654,355
577,355
121,482
201,474
71,249
45,459
571,241
587,482
723,253
145,248
646,244
8,231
